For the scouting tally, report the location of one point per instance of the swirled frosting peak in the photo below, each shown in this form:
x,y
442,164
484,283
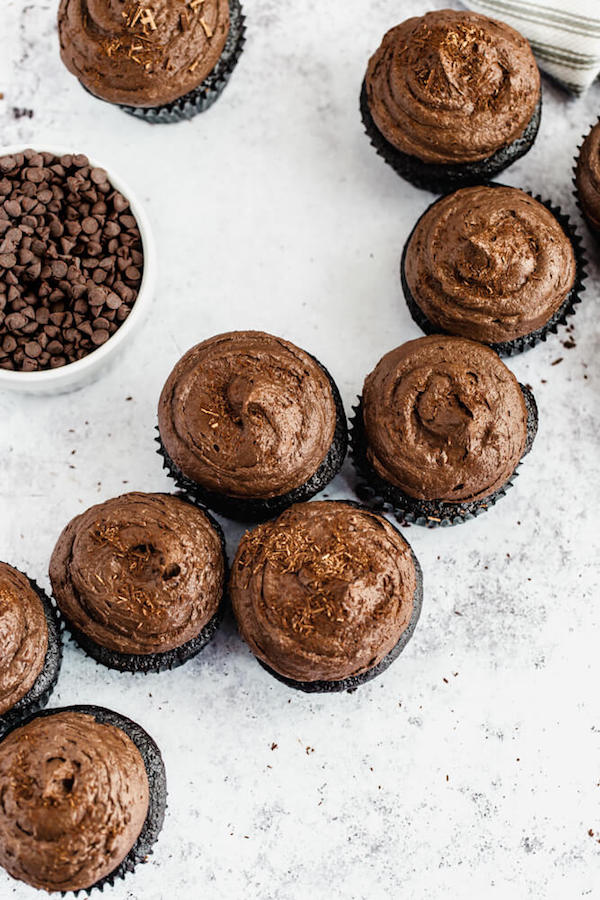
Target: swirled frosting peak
x,y
489,263
587,177
324,592
444,419
452,86
141,573
23,636
73,800
144,53
248,415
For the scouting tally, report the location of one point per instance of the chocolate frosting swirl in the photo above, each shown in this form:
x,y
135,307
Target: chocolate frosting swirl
x,y
489,263
324,592
23,636
247,414
587,177
142,53
141,573
73,800
452,87
444,419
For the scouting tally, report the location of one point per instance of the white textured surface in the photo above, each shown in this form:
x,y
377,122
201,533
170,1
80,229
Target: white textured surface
x,y
472,766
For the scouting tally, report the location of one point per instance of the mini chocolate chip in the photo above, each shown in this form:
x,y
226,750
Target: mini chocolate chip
x,y
90,225
15,321
100,336
7,260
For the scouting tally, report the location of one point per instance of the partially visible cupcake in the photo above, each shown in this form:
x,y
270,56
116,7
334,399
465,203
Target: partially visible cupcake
x,y
250,423
83,798
493,264
30,647
139,581
451,98
326,596
587,178
159,60
440,430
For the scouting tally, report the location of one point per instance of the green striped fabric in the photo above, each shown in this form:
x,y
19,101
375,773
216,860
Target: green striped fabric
x,y
564,35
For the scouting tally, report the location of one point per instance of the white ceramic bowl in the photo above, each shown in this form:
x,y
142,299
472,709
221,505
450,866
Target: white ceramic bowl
x,y
76,374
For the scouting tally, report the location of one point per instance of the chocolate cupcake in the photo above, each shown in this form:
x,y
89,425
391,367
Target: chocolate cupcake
x,y
139,581
451,98
326,596
250,424
493,264
160,60
83,798
587,178
440,430
30,647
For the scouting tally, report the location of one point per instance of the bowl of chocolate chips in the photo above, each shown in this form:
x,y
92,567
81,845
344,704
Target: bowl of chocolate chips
x,y
77,269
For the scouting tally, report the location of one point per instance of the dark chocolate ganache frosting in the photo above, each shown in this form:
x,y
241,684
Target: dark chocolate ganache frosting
x,y
23,637
587,177
489,263
73,800
141,573
444,419
452,86
248,415
324,592
142,53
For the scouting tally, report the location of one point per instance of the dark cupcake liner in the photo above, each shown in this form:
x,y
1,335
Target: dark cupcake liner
x,y
525,342
593,227
381,495
202,97
354,681
39,694
157,782
258,510
440,178
168,659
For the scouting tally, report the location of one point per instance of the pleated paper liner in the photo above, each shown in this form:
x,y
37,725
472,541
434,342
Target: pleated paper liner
x,y
169,659
593,226
381,495
157,782
441,178
525,342
259,510
39,694
202,97
351,683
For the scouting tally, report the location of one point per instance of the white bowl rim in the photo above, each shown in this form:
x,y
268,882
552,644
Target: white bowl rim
x,y
73,371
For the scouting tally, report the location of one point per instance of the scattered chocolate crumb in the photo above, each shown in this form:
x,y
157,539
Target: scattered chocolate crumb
x,y
557,361
310,750
445,680
274,746
569,343
22,113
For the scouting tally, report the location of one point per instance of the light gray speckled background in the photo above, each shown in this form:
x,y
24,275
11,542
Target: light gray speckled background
x,y
472,767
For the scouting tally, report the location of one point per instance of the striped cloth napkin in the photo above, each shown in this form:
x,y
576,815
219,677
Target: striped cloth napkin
x,y
564,34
